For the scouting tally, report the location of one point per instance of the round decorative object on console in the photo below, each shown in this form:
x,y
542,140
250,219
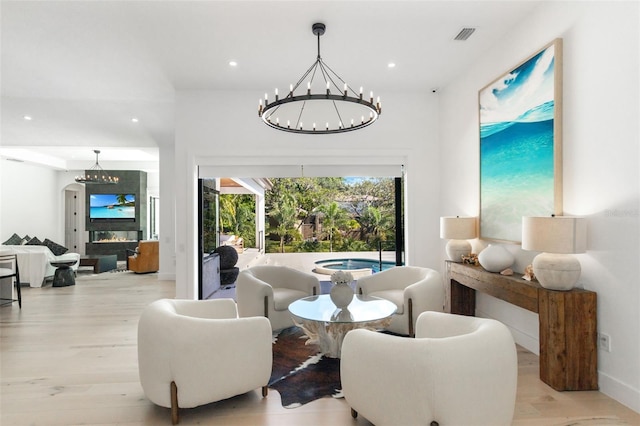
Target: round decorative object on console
x,y
556,271
341,295
495,258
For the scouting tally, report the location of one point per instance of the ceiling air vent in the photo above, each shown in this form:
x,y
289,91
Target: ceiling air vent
x,y
464,34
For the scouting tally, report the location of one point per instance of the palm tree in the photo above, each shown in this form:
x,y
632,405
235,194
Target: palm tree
x,y
237,216
334,217
375,224
122,199
284,213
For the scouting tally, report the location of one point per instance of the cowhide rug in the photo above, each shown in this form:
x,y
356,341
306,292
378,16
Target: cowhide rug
x,y
300,373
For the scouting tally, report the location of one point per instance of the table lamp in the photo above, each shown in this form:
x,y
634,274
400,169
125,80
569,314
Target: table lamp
x,y
558,237
458,230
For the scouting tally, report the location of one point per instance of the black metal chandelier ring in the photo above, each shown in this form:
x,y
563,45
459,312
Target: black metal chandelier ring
x,y
292,120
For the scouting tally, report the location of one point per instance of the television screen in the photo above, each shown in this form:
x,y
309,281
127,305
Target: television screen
x,y
106,207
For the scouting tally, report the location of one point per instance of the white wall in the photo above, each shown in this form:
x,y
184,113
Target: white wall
x,y
31,201
600,167
168,209
222,128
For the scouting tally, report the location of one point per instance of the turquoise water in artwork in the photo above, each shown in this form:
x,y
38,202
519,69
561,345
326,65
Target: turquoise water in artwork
x,y
517,176
516,147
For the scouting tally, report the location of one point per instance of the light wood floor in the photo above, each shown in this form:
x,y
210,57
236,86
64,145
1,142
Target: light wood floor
x,y
69,357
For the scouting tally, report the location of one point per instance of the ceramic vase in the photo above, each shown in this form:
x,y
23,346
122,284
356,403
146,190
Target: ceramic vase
x,y
495,258
341,295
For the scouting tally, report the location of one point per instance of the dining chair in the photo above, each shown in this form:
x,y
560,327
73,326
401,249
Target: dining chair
x,y
9,270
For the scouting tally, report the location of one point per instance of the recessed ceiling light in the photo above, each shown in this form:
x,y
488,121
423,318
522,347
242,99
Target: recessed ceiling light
x,y
134,120
391,65
28,117
233,64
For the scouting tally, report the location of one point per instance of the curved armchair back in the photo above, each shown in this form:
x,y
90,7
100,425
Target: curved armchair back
x,y
398,277
458,370
412,288
204,348
267,290
285,277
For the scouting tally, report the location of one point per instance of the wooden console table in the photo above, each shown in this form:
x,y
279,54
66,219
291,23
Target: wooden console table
x,y
567,321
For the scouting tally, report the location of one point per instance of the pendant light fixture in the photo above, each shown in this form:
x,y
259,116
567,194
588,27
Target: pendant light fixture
x,y
96,174
335,108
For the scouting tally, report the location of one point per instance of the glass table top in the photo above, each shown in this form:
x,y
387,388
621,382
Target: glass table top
x,y
361,309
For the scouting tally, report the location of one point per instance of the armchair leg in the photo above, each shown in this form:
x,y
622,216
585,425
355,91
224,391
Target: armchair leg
x,y
175,417
354,413
265,391
410,315
266,307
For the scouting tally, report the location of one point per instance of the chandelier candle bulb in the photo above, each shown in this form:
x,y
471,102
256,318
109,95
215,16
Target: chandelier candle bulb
x,y
327,126
371,97
352,122
291,89
276,93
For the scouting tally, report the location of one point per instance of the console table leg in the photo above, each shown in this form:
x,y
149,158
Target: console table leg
x,y
463,299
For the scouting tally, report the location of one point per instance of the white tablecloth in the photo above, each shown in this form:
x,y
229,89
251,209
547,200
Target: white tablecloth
x,y
34,262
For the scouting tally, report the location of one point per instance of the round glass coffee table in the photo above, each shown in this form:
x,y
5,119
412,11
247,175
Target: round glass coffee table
x,y
326,325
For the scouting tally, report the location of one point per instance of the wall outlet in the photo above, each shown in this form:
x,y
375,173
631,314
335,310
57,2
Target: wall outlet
x,y
604,342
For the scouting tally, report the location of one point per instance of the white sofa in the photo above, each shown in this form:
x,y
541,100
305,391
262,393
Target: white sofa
x,y
35,262
458,370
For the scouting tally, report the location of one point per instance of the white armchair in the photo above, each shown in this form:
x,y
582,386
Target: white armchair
x,y
458,370
268,290
413,289
193,352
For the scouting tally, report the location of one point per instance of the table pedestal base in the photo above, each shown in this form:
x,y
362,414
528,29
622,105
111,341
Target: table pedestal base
x,y
329,336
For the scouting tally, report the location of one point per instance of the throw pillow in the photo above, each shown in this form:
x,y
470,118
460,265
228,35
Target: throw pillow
x,y
25,240
14,240
55,248
34,242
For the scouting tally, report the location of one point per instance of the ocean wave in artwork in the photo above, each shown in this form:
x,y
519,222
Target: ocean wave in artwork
x,y
543,112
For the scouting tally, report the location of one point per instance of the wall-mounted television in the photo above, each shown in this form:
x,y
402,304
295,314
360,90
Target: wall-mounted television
x,y
112,207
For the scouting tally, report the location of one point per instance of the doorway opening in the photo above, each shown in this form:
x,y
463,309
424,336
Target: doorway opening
x,y
301,215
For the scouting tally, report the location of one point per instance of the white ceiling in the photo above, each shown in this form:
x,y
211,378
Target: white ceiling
x,y
83,69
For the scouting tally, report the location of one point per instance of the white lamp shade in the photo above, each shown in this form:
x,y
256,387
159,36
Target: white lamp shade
x,y
559,234
457,228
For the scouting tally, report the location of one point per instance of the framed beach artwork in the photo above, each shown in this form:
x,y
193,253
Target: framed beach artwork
x,y
521,145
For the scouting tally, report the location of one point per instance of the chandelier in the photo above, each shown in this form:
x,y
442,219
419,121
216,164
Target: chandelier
x,y
324,112
97,175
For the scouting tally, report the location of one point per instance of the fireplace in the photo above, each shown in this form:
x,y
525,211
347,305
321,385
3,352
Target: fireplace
x,y
112,242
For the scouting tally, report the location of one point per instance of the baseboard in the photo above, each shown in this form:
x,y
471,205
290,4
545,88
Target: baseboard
x,y
621,392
